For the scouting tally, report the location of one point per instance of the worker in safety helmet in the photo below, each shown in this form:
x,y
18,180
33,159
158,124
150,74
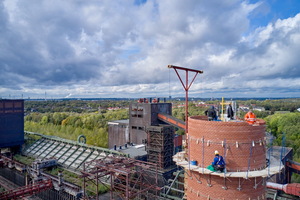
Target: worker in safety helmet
x,y
250,117
211,113
218,163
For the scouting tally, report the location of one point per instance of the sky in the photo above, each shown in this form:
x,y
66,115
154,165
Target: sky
x,y
121,48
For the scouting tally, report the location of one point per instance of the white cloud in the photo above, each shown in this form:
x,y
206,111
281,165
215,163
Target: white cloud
x,y
116,48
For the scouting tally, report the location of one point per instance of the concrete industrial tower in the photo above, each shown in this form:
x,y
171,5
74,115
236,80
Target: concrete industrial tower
x,y
243,147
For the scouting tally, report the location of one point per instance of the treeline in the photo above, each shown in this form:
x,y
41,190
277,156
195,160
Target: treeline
x,y
81,106
274,105
179,112
78,106
70,125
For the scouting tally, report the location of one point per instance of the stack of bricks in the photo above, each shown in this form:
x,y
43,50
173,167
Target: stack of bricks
x,y
160,145
243,148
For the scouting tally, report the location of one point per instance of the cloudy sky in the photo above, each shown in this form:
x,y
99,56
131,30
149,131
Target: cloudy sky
x,y
121,48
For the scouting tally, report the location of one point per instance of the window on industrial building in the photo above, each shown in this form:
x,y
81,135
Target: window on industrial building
x,y
134,108
140,109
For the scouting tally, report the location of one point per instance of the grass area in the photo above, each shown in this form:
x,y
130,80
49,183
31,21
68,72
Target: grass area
x,y
24,159
67,175
75,179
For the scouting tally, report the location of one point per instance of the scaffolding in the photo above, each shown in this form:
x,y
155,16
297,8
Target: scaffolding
x,y
273,168
125,177
175,187
244,178
160,144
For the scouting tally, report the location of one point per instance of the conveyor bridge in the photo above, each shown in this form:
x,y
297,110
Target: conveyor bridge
x,y
169,119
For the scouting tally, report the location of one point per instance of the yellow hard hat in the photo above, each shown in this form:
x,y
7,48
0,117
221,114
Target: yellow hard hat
x,y
216,152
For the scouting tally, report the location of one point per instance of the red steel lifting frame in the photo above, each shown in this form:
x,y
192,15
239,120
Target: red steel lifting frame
x,y
186,87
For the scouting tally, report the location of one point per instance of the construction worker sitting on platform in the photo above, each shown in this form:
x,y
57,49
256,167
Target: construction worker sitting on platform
x,y
218,163
211,113
250,117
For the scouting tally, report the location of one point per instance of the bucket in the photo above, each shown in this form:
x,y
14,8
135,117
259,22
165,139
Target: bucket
x,y
193,162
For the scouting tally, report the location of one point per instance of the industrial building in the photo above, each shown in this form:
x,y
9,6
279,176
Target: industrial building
x,y
142,115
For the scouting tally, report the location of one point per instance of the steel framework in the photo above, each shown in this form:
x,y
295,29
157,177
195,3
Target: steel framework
x,y
160,145
127,178
27,190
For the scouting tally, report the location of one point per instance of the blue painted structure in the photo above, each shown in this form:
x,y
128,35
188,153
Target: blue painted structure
x,y
11,123
193,162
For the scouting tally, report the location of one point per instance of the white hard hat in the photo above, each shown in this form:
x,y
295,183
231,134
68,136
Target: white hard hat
x,y
216,152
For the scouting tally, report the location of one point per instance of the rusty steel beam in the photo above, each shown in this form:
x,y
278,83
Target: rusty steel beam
x,y
27,190
293,165
183,68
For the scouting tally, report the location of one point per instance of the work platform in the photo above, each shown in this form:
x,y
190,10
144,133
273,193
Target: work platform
x,y
275,157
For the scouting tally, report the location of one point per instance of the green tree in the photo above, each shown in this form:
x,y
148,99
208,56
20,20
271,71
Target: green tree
x,y
44,120
287,124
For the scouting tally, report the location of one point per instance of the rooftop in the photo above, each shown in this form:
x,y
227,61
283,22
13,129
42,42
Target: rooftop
x,y
117,122
134,151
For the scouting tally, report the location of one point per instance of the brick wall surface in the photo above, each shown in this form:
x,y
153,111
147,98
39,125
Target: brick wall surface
x,y
200,187
242,145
